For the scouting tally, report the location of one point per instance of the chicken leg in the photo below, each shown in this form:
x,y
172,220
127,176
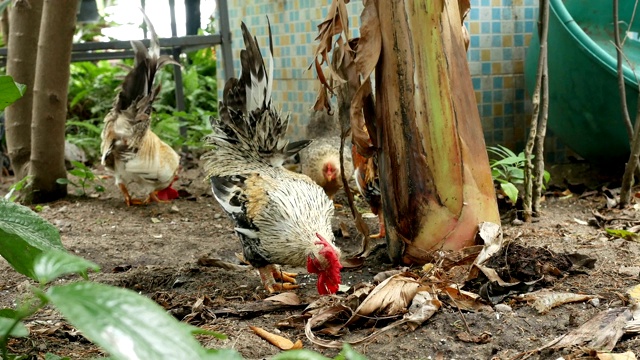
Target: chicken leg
x,y
127,197
382,232
270,273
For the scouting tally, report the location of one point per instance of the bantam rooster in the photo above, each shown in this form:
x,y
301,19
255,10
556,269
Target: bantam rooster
x,y
321,160
281,217
129,148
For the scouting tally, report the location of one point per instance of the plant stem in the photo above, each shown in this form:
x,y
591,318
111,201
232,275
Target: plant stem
x,y
543,26
623,98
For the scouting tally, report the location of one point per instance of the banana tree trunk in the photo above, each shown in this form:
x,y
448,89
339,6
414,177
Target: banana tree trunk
x,y
434,171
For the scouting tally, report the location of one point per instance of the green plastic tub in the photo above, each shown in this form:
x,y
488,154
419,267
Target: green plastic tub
x,y
584,100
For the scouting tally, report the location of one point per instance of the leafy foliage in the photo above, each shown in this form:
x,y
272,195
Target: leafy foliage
x,y
15,189
507,169
85,178
10,91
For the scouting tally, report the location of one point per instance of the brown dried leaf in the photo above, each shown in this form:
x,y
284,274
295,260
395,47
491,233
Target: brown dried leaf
x,y
287,298
465,300
370,44
277,340
546,300
328,314
391,297
423,306
359,134
483,338
600,333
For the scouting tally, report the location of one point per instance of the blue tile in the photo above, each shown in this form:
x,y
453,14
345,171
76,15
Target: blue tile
x,y
495,27
487,110
474,55
507,2
475,41
486,68
498,122
498,136
486,97
519,27
497,96
475,3
485,3
518,40
476,83
528,13
508,109
497,82
496,41
495,14
485,27
528,26
474,14
519,94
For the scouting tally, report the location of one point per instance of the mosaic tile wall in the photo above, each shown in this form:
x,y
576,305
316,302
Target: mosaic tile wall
x,y
500,33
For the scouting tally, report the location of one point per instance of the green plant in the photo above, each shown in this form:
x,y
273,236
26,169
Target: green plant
x,y
507,169
17,187
143,329
85,177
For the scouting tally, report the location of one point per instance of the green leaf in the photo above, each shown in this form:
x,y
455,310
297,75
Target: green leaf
x,y
78,172
50,356
63,181
24,235
348,353
511,191
623,234
300,355
79,165
17,330
53,264
125,324
546,177
200,331
10,91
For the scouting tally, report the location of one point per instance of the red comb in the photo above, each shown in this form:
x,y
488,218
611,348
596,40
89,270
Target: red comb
x,y
168,194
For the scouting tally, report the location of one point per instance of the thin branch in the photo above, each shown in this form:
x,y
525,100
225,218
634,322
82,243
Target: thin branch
x,y
543,25
621,86
627,179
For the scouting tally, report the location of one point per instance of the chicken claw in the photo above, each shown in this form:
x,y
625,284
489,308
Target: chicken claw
x,y
286,277
337,206
270,273
153,197
279,287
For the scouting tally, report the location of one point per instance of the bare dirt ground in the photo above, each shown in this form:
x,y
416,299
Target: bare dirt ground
x,y
155,250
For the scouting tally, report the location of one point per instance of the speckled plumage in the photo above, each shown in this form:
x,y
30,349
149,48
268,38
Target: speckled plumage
x,y
278,213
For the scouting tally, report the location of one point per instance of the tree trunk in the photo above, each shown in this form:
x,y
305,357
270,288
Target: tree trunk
x,y
50,99
434,169
24,29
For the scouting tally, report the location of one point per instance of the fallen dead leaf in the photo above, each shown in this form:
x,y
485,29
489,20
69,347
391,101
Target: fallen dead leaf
x,y
391,297
634,294
423,306
155,220
287,298
545,300
277,340
483,338
491,236
219,263
629,355
600,333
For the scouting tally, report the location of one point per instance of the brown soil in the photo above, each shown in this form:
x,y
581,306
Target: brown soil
x,y
155,250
